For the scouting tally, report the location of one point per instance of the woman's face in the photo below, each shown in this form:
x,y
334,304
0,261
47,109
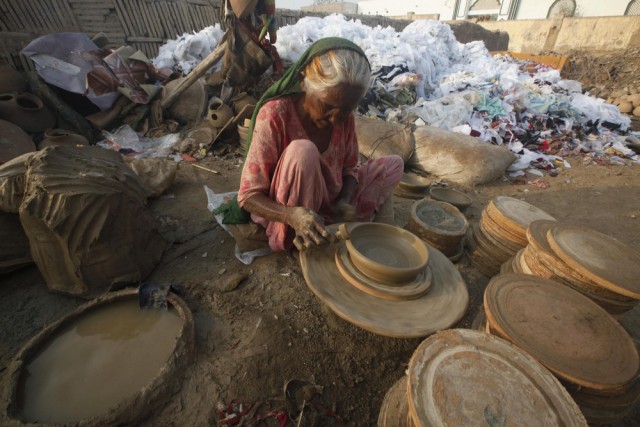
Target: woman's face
x,y
332,106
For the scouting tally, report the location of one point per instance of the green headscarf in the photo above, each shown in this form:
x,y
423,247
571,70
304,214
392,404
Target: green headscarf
x,y
287,85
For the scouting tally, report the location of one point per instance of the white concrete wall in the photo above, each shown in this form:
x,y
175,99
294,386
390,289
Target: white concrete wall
x,y
538,9
401,7
527,9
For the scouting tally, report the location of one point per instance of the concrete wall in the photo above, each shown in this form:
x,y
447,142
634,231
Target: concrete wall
x,y
539,9
562,35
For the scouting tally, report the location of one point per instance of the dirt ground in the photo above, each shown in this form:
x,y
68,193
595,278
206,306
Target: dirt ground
x,y
271,328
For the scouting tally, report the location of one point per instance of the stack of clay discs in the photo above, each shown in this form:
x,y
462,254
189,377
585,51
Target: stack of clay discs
x,y
440,225
465,377
573,337
599,266
501,232
394,411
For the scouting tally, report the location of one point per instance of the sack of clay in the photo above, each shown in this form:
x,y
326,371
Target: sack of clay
x,y
458,158
12,176
377,138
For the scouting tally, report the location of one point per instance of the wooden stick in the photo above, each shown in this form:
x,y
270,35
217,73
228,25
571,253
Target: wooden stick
x,y
206,169
195,74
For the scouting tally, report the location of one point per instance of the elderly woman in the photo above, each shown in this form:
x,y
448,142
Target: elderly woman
x,y
301,171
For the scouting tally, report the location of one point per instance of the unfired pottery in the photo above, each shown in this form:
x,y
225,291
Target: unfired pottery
x,y
394,411
451,196
190,105
26,111
385,252
13,141
465,377
55,137
439,224
218,113
239,101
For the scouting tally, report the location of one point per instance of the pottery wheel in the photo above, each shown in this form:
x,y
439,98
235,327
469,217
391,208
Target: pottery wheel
x,y
601,258
441,308
464,377
564,330
391,291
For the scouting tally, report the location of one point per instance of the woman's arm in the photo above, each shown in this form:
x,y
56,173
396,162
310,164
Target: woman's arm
x,y
308,225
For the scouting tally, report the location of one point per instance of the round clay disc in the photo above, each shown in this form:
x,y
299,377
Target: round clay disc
x,y
567,332
463,377
394,411
601,258
518,212
392,291
442,307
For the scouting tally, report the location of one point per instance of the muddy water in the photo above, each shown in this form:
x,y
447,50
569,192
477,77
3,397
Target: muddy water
x,y
102,358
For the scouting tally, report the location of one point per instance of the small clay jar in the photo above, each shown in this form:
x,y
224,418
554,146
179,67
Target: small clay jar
x,y
56,137
218,113
27,111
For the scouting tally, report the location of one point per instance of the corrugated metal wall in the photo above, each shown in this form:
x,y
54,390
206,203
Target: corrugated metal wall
x,y
144,24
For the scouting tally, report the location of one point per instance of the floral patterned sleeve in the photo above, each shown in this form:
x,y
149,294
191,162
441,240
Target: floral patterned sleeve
x,y
351,157
267,144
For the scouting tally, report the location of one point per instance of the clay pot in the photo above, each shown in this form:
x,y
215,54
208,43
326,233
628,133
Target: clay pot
x,y
55,137
27,111
218,113
241,100
13,141
12,80
385,252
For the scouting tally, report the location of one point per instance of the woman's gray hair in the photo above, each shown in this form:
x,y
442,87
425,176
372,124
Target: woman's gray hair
x,y
336,67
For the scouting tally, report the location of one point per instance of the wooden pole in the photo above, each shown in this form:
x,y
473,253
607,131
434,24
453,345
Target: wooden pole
x,y
195,74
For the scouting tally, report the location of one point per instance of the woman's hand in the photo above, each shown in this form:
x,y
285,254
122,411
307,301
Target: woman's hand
x,y
309,228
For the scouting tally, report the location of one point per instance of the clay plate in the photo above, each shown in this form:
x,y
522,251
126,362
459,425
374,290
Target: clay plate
x,y
394,411
414,183
464,377
536,314
601,258
451,196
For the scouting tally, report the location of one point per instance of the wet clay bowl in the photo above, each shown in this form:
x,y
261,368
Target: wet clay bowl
x,y
451,196
106,363
384,252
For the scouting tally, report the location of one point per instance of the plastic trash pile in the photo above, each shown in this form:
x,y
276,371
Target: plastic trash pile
x,y
423,75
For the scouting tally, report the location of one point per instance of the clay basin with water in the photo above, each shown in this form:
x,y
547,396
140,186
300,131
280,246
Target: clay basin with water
x,y
385,252
107,363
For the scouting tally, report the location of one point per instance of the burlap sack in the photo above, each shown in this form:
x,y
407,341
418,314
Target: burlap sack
x,y
377,138
458,158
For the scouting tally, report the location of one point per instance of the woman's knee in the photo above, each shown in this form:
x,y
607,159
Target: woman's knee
x,y
302,152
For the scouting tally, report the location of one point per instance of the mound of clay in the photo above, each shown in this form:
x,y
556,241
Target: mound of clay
x,y
377,138
84,214
458,158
